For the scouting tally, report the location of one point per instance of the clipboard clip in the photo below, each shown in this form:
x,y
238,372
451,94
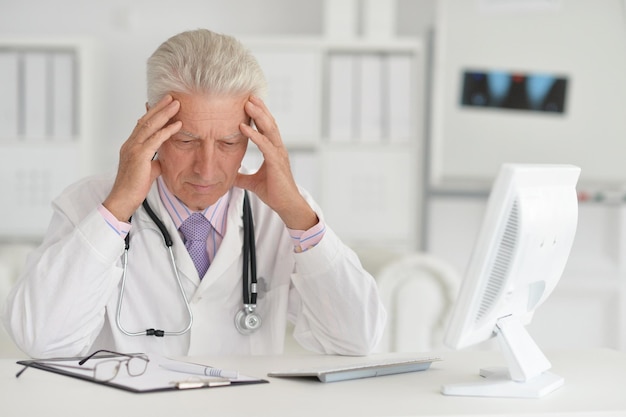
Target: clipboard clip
x,y
193,383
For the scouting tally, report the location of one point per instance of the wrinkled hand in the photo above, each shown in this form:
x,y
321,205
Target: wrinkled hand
x,y
136,170
273,183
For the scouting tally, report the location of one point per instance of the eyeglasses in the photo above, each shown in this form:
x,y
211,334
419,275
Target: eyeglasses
x,y
107,367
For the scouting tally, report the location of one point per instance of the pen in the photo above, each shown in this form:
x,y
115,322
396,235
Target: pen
x,y
192,368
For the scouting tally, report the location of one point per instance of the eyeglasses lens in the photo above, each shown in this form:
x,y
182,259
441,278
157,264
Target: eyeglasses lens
x,y
106,370
136,366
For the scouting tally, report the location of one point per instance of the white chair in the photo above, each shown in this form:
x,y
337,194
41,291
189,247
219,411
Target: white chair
x,y
418,291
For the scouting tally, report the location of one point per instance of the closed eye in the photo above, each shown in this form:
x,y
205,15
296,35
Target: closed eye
x,y
230,144
184,141
234,139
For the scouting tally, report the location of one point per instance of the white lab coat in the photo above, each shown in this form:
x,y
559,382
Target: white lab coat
x,y
65,303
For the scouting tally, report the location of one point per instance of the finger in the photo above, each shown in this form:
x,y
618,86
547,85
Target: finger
x,y
265,145
156,140
257,110
254,135
263,118
258,101
154,120
161,104
158,107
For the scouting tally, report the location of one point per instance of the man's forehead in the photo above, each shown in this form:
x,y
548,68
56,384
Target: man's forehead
x,y
210,106
196,136
196,127
191,115
218,116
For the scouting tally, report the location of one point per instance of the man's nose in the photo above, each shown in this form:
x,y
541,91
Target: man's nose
x,y
204,161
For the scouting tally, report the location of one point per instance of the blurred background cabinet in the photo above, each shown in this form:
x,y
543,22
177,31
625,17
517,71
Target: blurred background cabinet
x,y
45,128
350,113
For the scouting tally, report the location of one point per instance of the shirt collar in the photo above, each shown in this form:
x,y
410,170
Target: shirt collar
x,y
179,212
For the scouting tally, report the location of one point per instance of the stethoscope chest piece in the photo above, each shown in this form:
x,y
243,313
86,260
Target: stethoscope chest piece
x,y
247,320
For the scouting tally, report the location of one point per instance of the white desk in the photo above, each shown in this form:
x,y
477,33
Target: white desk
x,y
595,385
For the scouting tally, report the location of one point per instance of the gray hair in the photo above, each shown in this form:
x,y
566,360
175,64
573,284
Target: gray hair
x,y
201,61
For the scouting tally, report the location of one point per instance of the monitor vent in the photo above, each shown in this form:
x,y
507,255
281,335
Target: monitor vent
x,y
500,266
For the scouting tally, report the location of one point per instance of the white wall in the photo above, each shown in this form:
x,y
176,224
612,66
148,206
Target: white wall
x,y
497,36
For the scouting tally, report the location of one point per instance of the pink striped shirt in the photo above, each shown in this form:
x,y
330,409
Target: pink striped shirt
x,y
216,214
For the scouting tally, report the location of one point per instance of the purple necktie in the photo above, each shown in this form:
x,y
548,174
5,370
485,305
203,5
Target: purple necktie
x,y
196,231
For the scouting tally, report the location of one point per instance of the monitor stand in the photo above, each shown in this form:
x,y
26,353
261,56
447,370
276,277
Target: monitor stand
x,y
497,382
526,374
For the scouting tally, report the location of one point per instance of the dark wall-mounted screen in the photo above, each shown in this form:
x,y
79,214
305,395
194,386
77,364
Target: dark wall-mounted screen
x,y
517,91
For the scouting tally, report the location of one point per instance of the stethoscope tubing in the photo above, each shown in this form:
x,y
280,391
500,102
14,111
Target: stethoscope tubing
x,y
249,281
249,257
153,332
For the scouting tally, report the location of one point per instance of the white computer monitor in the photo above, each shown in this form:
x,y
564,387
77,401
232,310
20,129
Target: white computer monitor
x,y
520,253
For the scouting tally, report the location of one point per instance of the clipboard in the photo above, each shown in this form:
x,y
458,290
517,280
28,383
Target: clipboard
x,y
154,379
372,368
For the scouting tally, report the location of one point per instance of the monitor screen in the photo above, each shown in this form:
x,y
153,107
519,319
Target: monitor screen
x,y
520,254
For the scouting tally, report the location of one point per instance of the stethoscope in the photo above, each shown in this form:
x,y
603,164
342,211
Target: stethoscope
x,y
247,320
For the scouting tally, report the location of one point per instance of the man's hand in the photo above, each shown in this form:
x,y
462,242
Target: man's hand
x,y
273,182
137,170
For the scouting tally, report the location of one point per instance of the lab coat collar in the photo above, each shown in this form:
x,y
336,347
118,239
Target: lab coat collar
x,y
185,265
230,249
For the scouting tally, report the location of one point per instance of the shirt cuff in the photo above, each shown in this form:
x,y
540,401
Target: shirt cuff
x,y
305,239
121,228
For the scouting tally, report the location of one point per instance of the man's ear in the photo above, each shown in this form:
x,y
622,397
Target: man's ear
x,y
147,106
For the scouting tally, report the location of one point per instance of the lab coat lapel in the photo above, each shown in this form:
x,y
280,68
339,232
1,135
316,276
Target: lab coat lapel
x,y
186,268
229,253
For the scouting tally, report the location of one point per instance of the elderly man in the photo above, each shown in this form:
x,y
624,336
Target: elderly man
x,y
107,277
